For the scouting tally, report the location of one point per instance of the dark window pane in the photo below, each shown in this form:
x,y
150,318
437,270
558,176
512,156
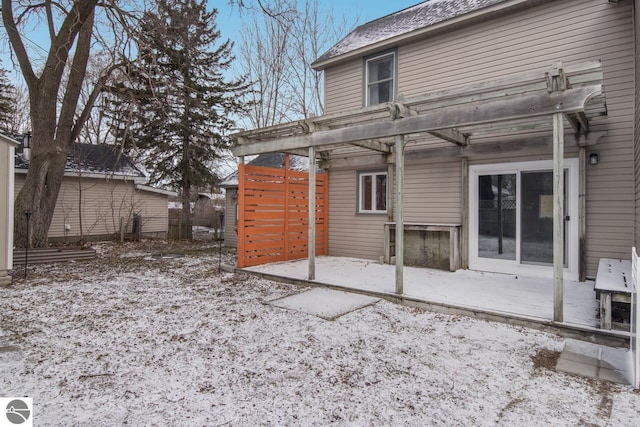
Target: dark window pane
x,y
366,192
381,192
380,92
380,80
380,69
497,216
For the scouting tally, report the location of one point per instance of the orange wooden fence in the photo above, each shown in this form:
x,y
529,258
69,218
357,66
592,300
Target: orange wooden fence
x,y
273,214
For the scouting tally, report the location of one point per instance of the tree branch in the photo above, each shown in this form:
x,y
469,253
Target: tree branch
x,y
95,92
18,45
51,27
76,78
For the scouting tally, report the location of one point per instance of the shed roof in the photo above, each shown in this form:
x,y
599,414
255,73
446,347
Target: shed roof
x,y
422,15
9,140
89,159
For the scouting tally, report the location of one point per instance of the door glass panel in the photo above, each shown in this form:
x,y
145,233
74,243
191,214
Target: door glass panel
x,y
497,216
537,217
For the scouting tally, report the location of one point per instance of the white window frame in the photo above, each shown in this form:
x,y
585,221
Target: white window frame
x,y
392,79
570,272
374,190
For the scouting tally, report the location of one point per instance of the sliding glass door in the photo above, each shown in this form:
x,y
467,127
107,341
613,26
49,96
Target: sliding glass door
x,y
511,217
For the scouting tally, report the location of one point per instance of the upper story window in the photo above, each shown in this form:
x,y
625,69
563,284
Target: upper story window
x,y
372,189
380,78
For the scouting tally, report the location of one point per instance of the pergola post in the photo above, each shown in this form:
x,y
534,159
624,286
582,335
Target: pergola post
x,y
399,210
240,207
558,217
311,243
582,209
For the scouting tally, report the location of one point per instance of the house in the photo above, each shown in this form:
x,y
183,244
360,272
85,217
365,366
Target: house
x,y
207,216
500,133
100,190
7,147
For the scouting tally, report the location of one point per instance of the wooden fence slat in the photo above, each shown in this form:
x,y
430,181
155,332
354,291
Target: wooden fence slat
x,y
275,204
252,215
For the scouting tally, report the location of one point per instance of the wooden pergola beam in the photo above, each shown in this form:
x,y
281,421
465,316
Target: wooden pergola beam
x,y
451,152
512,108
453,136
374,145
578,121
398,110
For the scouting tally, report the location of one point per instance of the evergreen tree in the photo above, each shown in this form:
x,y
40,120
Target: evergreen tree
x,y
7,104
174,111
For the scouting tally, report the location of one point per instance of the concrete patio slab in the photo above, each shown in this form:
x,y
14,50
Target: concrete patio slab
x,y
596,361
517,300
324,303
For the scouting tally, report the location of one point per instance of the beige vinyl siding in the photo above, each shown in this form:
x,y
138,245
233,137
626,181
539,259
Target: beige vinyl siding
x,y
637,123
103,203
433,192
343,87
351,234
568,31
433,189
6,208
153,207
230,219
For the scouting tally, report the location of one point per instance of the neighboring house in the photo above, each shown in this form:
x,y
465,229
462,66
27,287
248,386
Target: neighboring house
x,y
464,102
230,184
7,147
100,190
206,207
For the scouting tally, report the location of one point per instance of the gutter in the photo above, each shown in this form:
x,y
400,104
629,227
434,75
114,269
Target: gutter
x,y
155,190
98,175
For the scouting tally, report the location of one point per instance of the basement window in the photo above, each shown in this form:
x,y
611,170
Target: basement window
x,y
372,192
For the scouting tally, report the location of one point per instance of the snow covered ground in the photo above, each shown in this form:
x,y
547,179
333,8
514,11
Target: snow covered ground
x,y
141,340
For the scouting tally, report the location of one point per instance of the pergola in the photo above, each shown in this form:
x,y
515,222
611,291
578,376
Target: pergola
x,y
527,107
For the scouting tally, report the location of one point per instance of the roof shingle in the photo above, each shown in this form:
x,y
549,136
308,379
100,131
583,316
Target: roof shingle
x,y
89,158
422,15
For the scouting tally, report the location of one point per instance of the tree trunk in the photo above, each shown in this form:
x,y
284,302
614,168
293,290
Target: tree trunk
x,y
38,195
186,194
54,124
186,225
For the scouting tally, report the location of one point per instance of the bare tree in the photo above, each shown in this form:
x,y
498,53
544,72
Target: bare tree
x,y
19,122
54,89
264,58
278,47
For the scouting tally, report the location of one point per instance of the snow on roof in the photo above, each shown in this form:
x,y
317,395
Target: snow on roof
x,y
271,160
89,159
211,196
422,15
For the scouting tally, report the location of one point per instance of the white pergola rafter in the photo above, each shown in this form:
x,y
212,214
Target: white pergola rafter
x,y
506,109
528,102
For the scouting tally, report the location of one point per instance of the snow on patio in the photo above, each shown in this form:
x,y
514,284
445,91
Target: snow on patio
x,y
132,339
498,293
